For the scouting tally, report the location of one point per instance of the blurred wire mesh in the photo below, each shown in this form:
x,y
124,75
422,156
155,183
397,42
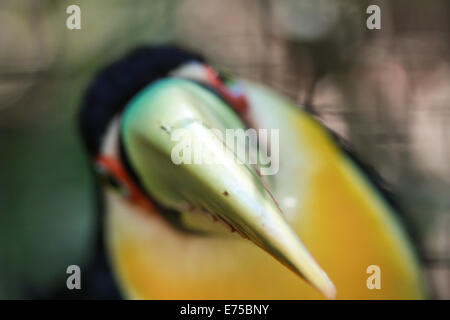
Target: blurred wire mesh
x,y
386,91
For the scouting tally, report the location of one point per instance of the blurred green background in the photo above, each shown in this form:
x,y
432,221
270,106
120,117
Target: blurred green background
x,y
387,91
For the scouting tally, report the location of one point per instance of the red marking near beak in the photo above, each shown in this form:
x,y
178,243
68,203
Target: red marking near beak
x,y
115,168
238,102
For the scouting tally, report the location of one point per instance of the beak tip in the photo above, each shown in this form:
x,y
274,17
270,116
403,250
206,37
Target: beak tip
x,y
330,292
328,289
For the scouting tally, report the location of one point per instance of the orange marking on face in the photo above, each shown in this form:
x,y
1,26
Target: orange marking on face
x,y
238,102
115,168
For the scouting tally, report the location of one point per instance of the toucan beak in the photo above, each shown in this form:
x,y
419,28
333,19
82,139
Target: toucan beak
x,y
251,210
230,190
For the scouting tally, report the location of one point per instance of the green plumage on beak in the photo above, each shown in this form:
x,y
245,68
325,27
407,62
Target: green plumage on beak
x,y
230,191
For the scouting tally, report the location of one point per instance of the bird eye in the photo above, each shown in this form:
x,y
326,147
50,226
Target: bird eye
x,y
107,179
112,181
225,76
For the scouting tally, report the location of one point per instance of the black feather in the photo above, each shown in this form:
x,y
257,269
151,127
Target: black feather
x,y
115,85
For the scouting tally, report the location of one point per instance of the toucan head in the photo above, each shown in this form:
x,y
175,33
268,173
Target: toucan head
x,y
126,122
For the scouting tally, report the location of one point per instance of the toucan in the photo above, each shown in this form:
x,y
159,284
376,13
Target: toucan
x,y
315,229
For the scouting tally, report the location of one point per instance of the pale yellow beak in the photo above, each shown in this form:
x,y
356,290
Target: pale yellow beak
x,y
233,192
